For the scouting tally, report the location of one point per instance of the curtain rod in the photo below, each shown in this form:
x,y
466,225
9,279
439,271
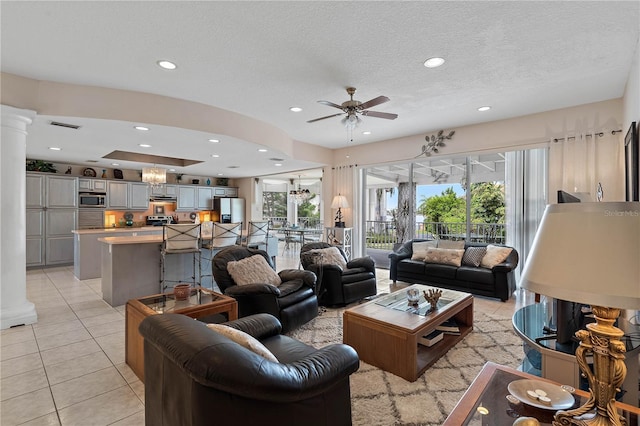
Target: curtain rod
x,y
588,135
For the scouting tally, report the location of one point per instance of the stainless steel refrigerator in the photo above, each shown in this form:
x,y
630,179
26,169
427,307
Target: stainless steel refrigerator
x,y
231,210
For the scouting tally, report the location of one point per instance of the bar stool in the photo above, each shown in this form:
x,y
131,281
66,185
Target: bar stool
x,y
179,239
257,233
223,235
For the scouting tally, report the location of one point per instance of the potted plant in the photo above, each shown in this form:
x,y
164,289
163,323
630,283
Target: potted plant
x,y
40,166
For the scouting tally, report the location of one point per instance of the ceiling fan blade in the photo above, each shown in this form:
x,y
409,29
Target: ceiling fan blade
x,y
378,114
373,102
331,104
322,118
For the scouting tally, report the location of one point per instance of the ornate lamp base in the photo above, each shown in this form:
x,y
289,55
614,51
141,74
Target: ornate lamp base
x,y
602,341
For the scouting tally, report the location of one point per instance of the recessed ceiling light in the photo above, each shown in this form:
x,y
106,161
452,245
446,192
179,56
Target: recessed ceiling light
x,y
167,65
220,174
277,164
433,62
366,132
347,156
141,128
145,145
214,140
115,164
295,109
484,108
262,150
55,148
215,155
172,170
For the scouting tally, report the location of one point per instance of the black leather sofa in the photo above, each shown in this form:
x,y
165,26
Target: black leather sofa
x,y
498,282
195,376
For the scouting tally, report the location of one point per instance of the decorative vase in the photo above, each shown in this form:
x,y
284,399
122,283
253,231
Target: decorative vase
x,y
182,291
208,182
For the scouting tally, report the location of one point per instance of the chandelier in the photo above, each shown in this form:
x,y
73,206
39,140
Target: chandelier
x,y
299,195
154,176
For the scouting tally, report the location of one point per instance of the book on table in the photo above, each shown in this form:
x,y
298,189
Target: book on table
x,y
450,326
431,339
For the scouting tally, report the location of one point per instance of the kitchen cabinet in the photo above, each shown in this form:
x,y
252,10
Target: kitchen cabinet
x,y
225,191
51,216
127,196
164,191
186,197
205,198
92,185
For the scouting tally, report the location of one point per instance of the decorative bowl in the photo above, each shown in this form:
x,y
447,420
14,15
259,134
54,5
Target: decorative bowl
x,y
182,291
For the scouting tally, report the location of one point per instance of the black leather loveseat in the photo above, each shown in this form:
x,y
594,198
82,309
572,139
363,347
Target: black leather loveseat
x,y
498,282
195,376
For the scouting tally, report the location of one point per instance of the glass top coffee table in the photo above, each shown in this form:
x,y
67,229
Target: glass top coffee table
x,y
385,331
201,303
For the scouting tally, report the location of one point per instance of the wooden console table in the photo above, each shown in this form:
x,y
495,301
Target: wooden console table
x,y
485,401
201,304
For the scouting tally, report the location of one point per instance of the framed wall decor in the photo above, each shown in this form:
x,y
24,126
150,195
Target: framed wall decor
x,y
158,210
632,163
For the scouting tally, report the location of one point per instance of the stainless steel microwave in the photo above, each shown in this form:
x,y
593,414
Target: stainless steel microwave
x,y
92,199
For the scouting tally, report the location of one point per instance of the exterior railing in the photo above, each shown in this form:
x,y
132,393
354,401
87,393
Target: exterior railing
x,y
382,234
303,222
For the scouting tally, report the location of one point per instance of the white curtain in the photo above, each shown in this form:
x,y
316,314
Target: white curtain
x,y
344,183
579,163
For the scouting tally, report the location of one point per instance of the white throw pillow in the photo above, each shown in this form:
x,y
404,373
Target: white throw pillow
x,y
330,256
494,255
253,270
451,257
420,249
244,339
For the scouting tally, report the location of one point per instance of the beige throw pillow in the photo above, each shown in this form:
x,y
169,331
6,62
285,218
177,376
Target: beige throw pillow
x,y
451,257
450,244
253,270
330,256
420,249
494,255
244,339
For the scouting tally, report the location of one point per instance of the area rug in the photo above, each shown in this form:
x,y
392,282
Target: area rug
x,y
382,398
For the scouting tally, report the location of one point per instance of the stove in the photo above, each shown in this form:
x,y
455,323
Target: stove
x,y
159,220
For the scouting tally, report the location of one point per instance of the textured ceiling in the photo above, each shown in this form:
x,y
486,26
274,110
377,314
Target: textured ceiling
x,y
260,58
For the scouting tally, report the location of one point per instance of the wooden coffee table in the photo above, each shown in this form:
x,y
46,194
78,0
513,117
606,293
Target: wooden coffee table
x,y
200,304
386,335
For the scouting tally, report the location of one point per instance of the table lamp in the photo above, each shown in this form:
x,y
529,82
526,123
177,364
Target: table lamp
x,y
339,202
590,253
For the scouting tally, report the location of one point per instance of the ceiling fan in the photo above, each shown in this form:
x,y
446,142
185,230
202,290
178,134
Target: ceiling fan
x,y
352,108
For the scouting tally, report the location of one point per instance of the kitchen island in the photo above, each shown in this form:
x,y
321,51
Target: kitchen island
x,y
131,267
87,250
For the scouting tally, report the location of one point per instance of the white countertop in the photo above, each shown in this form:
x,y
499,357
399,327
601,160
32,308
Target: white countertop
x,y
139,239
121,229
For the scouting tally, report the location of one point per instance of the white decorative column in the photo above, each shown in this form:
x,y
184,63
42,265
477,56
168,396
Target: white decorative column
x,y
15,309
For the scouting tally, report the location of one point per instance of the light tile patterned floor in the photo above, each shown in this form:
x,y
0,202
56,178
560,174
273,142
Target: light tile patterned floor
x,y
69,369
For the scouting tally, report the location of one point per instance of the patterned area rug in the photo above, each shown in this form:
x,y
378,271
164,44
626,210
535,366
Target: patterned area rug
x,y
381,398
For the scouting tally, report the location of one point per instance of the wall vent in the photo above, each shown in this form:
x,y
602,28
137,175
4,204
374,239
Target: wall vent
x,y
67,125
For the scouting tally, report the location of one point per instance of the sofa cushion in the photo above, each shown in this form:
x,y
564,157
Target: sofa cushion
x,y
411,266
450,244
253,270
244,339
495,255
330,256
474,274
439,270
419,249
473,256
444,256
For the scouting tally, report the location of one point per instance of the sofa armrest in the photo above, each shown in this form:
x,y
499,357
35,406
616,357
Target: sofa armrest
x,y
503,267
308,278
365,262
259,326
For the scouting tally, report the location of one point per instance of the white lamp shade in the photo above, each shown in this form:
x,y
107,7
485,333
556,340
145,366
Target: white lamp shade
x,y
587,253
339,202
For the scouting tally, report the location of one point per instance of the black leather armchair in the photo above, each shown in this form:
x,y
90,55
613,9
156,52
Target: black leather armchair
x,y
340,286
195,376
294,302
